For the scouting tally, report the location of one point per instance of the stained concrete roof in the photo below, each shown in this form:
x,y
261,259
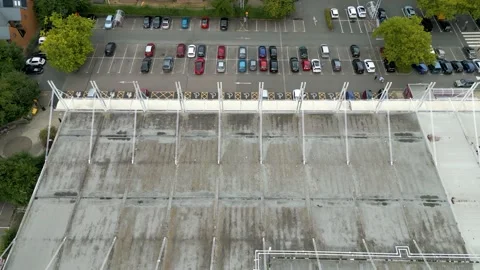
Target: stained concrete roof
x,y
167,215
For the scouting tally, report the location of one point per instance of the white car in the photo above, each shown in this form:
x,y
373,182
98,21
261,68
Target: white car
x,y
191,51
352,12
409,11
316,66
476,62
369,65
362,12
41,40
334,13
35,61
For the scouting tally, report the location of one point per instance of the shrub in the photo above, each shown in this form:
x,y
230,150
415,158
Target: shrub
x,y
44,133
7,238
328,19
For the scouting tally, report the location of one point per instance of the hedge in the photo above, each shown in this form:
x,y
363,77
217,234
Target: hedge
x,y
328,19
103,10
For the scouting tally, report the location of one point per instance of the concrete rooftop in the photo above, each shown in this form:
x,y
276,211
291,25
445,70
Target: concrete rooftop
x,y
166,216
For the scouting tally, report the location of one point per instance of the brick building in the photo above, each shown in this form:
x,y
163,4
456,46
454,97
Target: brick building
x,y
17,21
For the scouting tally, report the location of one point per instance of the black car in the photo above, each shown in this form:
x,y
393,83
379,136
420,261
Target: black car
x,y
33,70
336,65
382,14
358,66
167,64
355,51
272,50
469,52
273,65
147,22
468,66
389,65
110,48
302,51
157,22
457,66
201,50
446,66
224,24
445,25
146,64
427,25
294,64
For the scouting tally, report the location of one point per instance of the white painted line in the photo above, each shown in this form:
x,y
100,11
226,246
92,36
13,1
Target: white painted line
x,y
458,37
153,65
437,25
113,60
247,83
133,25
338,53
454,57
314,22
349,23
283,68
359,26
91,59
275,27
341,27
256,25
288,58
101,62
285,25
303,23
133,61
294,30
184,65
266,26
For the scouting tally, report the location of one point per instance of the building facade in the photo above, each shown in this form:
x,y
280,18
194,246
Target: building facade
x,y
18,23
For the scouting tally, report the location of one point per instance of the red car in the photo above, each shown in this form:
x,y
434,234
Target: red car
x,y
306,65
181,50
263,64
205,23
221,52
199,66
150,50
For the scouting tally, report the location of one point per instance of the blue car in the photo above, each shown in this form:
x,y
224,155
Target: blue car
x,y
468,66
185,23
420,68
262,52
242,65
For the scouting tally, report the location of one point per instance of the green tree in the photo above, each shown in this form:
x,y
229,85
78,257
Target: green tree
x,y
474,8
7,238
17,92
279,8
222,7
44,134
405,41
18,176
68,43
11,57
446,8
45,8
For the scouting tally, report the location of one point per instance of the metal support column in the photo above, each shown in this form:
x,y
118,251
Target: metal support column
x,y
346,134
134,135
319,265
91,133
140,96
99,95
180,96
58,94
474,112
470,91
220,109
421,253
56,253
212,255
302,94
108,253
260,135
177,137
383,96
369,255
425,94
433,129
49,127
303,138
342,95
160,254
260,94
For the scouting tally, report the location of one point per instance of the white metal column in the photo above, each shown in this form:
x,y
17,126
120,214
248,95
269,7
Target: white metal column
x,y
56,253
180,97
134,135
433,129
477,149
343,93
260,122
91,132
383,96
177,137
346,133
99,95
220,109
58,94
425,94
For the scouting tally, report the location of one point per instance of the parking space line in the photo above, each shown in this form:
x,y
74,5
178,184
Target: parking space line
x,y
101,62
294,30
91,59
338,53
359,27
349,23
153,65
113,60
256,25
303,23
458,37
288,59
275,27
133,25
184,65
285,25
454,57
341,26
439,28
133,60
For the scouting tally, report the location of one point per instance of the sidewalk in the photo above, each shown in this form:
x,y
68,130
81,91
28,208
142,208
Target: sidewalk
x,y
25,137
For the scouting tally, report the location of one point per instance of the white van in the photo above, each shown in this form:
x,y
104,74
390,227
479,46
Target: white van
x,y
119,17
324,51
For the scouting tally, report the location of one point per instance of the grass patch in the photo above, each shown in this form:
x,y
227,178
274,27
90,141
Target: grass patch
x,y
328,19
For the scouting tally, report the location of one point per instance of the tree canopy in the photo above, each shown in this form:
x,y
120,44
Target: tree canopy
x,y
223,7
405,41
279,8
44,8
447,8
68,43
18,175
11,57
17,92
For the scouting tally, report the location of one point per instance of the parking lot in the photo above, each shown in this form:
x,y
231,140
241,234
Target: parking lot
x,y
253,25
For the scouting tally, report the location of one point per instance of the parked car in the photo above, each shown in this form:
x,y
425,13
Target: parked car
x,y
166,23
157,22
273,66
221,51
336,65
389,65
192,51
439,53
445,25
181,48
468,66
252,65
382,15
33,70
369,65
224,24
146,64
199,66
447,67
457,66
108,22
306,66
272,50
242,52
110,48
361,12
427,24
294,64
35,61
476,62
352,12
463,83
205,23
221,66
147,22
334,13
262,52
469,52
201,50
409,11
242,65
263,64
358,66
302,51
185,23
420,68
355,50
150,50
168,64
435,68
316,66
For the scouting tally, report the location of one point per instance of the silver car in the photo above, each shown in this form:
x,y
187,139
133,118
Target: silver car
x,y
242,52
252,65
221,66
109,22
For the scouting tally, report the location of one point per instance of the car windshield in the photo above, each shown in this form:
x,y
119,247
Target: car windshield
x,y
204,21
220,64
148,49
166,63
146,20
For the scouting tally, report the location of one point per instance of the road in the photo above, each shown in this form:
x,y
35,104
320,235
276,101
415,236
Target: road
x,y
304,28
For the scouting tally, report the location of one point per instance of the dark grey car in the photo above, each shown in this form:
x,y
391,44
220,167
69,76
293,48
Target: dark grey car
x,y
168,64
252,65
201,50
242,52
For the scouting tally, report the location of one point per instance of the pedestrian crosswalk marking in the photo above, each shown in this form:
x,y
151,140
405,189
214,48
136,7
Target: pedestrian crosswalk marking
x,y
472,38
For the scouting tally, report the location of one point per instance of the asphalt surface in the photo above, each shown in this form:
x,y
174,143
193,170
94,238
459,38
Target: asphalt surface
x,y
304,28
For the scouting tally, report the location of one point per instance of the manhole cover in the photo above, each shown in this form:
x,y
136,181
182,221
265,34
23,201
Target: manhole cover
x,y
17,145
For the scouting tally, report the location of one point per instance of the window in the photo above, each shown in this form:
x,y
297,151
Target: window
x,y
17,3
